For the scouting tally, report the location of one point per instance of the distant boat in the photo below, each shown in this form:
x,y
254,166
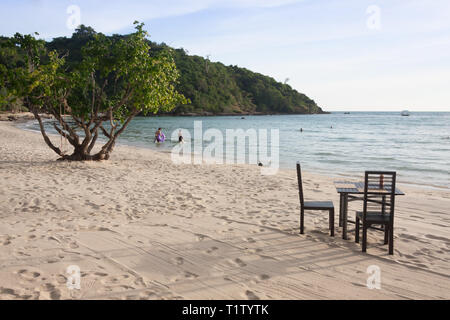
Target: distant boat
x,y
346,112
406,113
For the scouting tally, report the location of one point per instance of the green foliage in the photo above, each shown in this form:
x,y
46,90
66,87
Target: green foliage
x,y
210,86
115,79
216,88
118,72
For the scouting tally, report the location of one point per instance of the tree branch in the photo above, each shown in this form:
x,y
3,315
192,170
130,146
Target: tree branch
x,y
65,126
44,134
105,133
65,135
94,139
125,98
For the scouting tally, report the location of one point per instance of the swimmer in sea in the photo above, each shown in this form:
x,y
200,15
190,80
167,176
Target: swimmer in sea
x,y
180,137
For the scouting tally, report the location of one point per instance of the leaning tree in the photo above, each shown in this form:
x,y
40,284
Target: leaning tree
x,y
116,79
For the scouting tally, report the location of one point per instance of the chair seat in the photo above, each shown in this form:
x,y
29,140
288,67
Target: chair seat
x,y
374,216
318,205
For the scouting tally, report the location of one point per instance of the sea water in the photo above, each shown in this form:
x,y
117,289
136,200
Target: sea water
x,y
417,147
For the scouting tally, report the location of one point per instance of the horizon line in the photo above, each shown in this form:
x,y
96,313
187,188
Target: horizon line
x,y
397,110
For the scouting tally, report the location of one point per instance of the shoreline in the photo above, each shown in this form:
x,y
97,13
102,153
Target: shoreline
x,y
345,175
20,117
210,114
141,227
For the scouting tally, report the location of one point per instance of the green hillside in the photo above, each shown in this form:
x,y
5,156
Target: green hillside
x,y
212,87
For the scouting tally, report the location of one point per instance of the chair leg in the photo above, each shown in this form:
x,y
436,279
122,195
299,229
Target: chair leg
x,y
332,222
302,221
364,239
386,234
341,201
391,240
357,230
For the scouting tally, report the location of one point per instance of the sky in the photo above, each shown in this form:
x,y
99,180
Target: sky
x,y
347,55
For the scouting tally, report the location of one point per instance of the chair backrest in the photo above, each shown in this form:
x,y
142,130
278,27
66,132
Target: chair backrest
x,y
300,184
379,192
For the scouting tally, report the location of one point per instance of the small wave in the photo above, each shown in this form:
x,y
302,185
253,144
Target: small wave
x,y
419,170
324,153
380,158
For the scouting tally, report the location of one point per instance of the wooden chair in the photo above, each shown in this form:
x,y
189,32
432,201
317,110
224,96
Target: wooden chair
x,y
378,207
313,205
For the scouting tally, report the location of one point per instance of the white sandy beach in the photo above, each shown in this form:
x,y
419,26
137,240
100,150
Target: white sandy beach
x,y
141,227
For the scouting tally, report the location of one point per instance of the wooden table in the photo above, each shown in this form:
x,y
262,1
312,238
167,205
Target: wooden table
x,y
350,191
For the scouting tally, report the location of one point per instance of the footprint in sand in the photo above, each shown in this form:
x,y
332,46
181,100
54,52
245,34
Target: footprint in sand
x,y
100,274
433,237
190,275
146,294
263,277
358,284
28,275
8,292
200,237
55,293
61,279
73,245
212,249
22,254
127,287
254,251
179,261
185,275
6,241
250,295
115,279
237,262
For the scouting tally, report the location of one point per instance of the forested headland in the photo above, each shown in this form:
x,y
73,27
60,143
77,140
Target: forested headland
x,y
211,87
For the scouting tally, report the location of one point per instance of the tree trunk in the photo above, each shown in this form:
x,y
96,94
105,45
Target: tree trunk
x,y
82,151
81,154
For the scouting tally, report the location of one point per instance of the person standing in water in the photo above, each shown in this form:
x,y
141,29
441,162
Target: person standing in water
x,y
180,137
159,135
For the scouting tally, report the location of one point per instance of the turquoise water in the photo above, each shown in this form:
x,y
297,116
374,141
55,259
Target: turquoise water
x,y
417,147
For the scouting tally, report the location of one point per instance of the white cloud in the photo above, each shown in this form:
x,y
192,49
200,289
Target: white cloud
x,y
323,46
49,17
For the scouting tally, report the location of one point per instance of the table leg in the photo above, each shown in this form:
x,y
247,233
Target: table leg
x,y
344,217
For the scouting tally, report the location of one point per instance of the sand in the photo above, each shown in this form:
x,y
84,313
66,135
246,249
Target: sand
x,y
141,227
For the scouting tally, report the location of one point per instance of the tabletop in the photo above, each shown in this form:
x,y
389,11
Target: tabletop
x,y
358,188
